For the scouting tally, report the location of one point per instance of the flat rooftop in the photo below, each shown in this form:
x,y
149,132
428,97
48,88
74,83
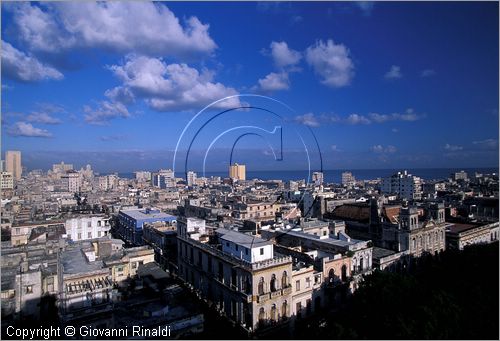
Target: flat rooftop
x,y
242,238
75,262
148,214
458,228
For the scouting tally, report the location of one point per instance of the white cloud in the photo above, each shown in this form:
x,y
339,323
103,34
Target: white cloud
x,y
284,56
331,62
105,112
408,115
27,130
307,119
120,94
379,149
452,148
486,144
122,26
274,81
427,73
168,87
23,67
394,73
41,117
357,119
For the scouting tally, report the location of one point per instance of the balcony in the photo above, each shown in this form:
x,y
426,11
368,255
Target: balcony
x,y
275,293
287,290
263,298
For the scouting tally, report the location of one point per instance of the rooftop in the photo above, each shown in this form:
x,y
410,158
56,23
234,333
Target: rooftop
x,y
242,238
147,214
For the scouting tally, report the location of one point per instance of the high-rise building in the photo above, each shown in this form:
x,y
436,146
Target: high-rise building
x,y
348,179
191,178
13,163
72,180
405,185
237,172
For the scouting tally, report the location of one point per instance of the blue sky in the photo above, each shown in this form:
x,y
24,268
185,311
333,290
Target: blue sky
x,y
381,85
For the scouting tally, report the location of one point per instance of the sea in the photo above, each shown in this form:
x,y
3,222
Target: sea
x,y
335,175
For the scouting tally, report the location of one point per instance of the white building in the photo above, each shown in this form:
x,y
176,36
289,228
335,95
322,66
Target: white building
x,y
191,178
143,176
248,248
108,182
7,180
62,167
405,185
82,228
72,180
348,179
317,178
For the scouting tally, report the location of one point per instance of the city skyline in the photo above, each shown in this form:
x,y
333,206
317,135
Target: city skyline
x,y
382,85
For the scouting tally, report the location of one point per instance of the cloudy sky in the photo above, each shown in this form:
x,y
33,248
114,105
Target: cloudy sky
x,y
381,85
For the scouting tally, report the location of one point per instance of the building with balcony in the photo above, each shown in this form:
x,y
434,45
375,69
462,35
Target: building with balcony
x,y
243,276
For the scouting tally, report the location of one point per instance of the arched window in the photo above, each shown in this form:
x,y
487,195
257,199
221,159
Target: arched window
x,y
261,286
273,312
273,283
344,273
284,308
331,275
284,280
414,242
262,314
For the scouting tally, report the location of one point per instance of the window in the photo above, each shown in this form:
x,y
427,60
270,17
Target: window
x,y
298,309
89,235
273,312
119,268
98,233
227,244
99,223
262,314
284,309
297,285
261,286
308,282
246,252
29,289
134,265
261,250
284,280
273,283
18,231
89,224
237,247
79,236
324,233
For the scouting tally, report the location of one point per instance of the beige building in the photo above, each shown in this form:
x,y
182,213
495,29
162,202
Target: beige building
x,y
240,274
237,172
459,236
13,163
125,264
